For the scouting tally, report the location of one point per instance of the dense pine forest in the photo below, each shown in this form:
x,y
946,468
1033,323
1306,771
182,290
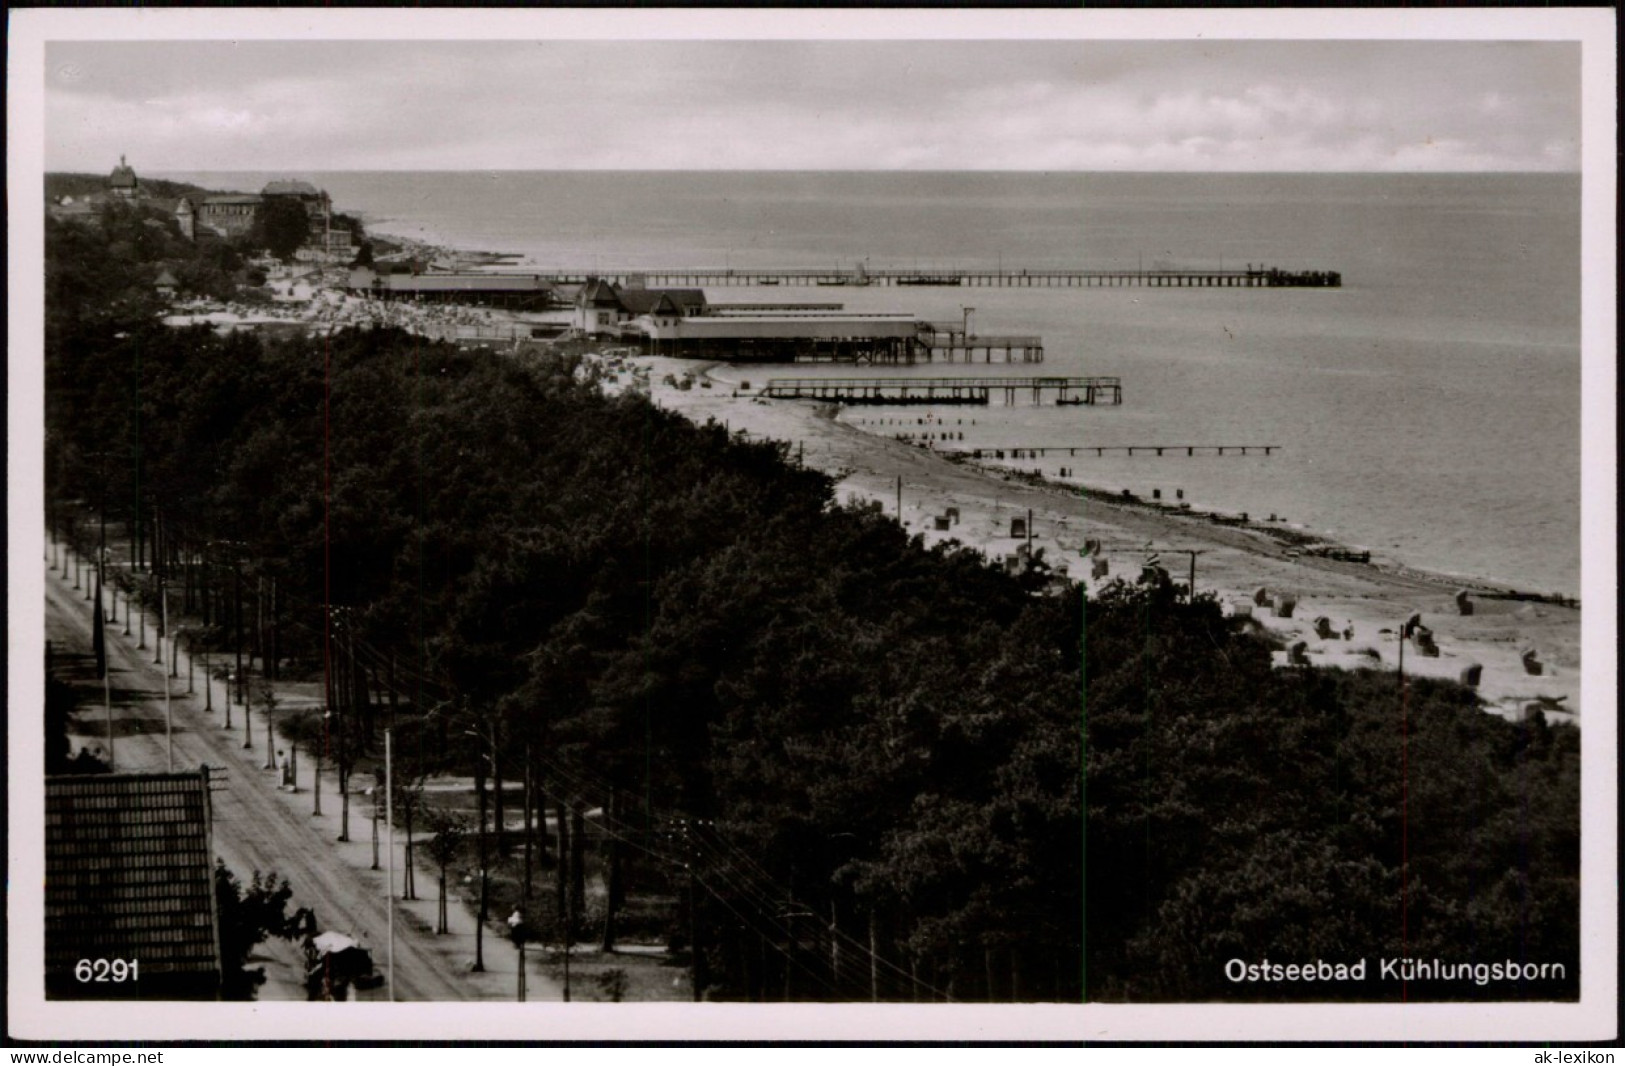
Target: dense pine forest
x,y
855,766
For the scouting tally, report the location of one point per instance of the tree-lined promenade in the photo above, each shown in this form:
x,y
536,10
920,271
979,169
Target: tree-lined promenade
x,y
819,759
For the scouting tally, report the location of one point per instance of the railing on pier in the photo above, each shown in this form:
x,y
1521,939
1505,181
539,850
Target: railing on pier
x,y
1102,450
951,343
955,390
771,308
1249,278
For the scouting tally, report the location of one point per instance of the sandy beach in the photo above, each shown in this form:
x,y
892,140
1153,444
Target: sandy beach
x,y
1364,605
1249,566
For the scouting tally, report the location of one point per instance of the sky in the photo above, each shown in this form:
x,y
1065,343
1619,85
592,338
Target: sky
x,y
1167,105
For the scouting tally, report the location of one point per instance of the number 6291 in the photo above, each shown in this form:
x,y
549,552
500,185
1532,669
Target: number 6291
x,y
101,970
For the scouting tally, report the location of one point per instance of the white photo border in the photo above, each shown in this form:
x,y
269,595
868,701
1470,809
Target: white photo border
x,y
1594,1017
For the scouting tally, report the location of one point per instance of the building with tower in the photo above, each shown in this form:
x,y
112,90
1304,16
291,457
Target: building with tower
x,y
122,182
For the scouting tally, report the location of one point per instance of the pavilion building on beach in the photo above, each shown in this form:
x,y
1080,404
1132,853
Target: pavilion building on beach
x,y
515,292
881,337
680,322
602,307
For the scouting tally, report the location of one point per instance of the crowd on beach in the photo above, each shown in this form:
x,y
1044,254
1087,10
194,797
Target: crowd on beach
x,y
1321,607
319,300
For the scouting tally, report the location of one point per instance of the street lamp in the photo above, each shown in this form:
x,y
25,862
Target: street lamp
x,y
174,645
268,712
377,793
248,716
190,660
516,924
169,718
208,678
479,927
162,629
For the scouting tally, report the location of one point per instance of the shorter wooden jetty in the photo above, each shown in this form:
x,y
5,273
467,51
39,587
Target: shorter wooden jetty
x,y
1103,450
949,343
945,391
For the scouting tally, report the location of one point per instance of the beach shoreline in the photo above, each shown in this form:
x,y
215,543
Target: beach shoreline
x,y
1248,564
1238,562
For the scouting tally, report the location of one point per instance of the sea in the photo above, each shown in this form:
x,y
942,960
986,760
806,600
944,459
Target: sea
x,y
1428,410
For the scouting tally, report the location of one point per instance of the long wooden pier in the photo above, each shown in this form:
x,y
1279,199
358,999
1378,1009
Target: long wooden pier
x,y
945,391
1251,277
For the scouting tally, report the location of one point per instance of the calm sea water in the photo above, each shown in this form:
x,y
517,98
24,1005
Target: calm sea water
x,y
1428,410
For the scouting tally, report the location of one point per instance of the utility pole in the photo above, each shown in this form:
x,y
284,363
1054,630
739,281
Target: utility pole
x,y
389,816
377,787
874,961
237,619
107,679
269,713
695,979
1403,631
1149,548
525,889
316,777
169,721
479,926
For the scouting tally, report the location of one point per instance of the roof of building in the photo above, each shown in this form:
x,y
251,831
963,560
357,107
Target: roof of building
x,y
183,206
598,293
643,301
166,278
129,873
784,327
410,283
290,188
122,177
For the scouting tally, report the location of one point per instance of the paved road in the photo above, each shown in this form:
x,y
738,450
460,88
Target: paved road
x,y
258,827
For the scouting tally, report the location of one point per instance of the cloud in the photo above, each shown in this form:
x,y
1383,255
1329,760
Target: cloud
x,y
815,105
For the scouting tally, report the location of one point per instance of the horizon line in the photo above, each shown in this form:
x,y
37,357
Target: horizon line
x,y
1576,172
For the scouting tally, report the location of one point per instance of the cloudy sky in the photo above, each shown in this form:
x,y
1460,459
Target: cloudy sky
x,y
809,104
